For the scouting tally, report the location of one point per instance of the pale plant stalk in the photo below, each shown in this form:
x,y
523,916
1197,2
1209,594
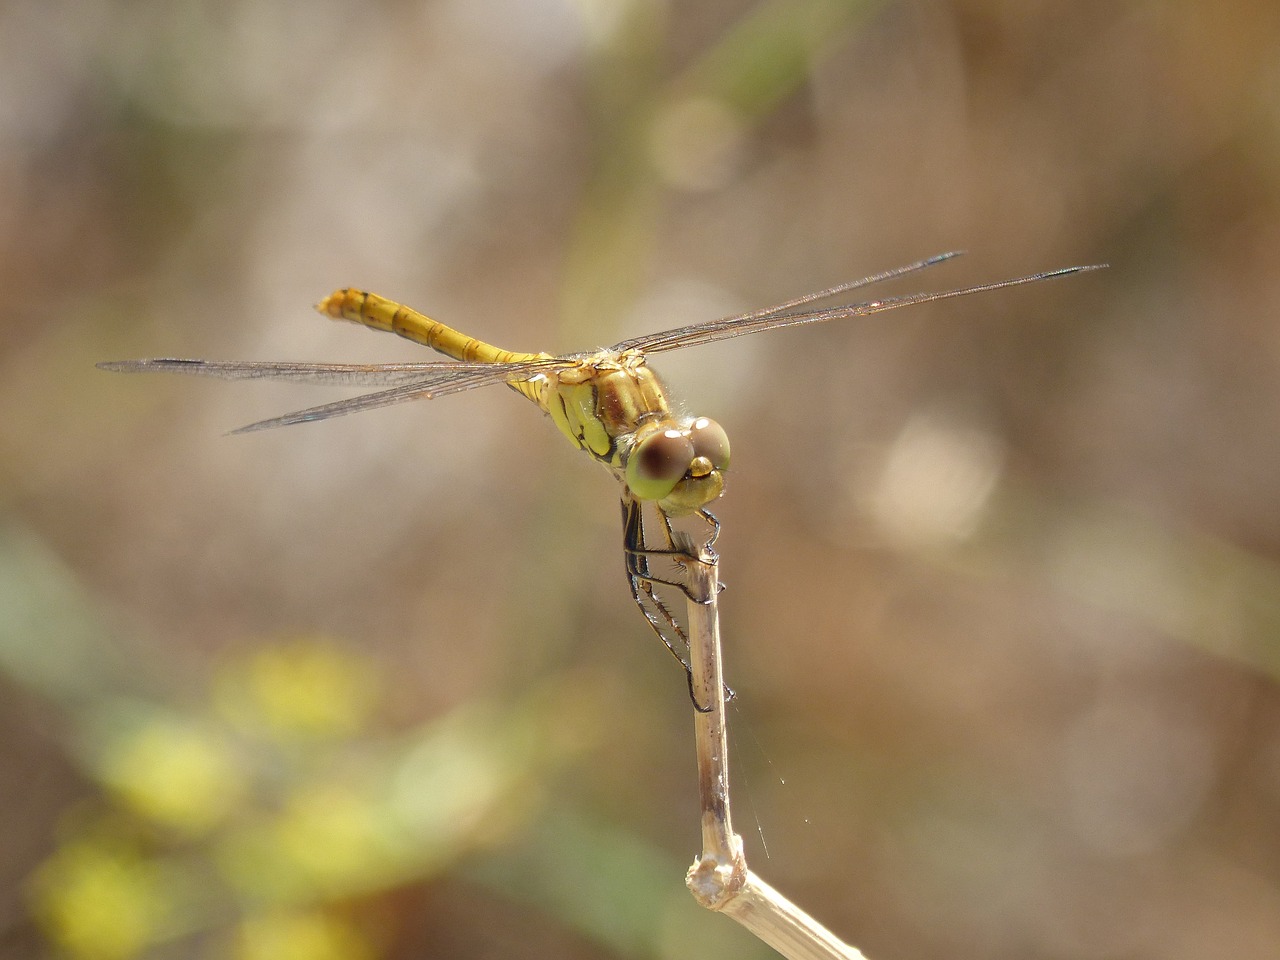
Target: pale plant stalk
x,y
719,878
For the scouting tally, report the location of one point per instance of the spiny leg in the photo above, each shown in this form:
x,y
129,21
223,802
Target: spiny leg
x,y
640,580
638,587
679,548
714,524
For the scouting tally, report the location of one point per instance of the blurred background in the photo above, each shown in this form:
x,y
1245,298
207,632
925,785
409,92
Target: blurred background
x,y
1003,606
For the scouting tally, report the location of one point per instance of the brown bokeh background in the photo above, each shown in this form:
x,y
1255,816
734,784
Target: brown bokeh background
x,y
1004,573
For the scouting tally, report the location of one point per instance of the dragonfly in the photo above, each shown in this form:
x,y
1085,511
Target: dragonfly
x,y
608,403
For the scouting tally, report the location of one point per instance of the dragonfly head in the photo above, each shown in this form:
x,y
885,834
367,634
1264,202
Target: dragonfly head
x,y
679,464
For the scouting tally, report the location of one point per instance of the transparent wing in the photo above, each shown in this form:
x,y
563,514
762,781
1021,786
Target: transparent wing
x,y
423,381
783,315
382,398
406,381
429,374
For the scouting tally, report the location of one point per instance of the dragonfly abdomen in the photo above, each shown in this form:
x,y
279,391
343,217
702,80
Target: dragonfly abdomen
x,y
379,313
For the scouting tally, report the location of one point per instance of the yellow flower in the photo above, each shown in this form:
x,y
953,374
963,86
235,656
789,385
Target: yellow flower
x,y
99,901
327,841
302,688
300,936
175,773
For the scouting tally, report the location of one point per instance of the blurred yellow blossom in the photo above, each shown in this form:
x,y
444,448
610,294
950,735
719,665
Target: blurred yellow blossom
x,y
307,687
328,839
174,772
99,901
300,936
332,834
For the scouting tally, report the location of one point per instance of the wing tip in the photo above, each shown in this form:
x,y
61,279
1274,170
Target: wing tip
x,y
270,424
1068,271
153,363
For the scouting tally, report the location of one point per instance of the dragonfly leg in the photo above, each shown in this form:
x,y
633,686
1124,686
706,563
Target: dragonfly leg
x,y
640,580
638,565
640,587
637,551
714,524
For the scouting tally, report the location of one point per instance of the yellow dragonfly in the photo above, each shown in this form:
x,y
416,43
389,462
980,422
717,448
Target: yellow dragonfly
x,y
608,403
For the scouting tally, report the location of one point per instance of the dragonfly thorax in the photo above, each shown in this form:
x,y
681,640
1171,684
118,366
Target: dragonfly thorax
x,y
613,406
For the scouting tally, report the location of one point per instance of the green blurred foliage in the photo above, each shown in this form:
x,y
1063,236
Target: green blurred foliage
x,y
276,813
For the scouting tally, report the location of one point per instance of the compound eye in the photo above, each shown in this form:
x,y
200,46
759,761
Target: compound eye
x,y
710,441
658,462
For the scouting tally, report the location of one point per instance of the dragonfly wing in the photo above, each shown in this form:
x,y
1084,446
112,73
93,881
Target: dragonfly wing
x,y
405,381
339,408
642,341
777,317
332,374
464,376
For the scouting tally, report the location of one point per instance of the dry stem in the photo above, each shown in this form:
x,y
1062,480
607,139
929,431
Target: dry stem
x,y
719,878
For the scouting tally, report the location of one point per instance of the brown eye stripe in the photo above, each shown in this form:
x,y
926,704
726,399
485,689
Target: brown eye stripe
x,y
665,455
